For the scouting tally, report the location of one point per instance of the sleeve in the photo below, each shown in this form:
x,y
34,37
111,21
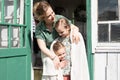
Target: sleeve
x,y
39,34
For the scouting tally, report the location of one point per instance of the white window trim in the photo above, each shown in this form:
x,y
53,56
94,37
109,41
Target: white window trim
x,y
94,24
108,47
97,46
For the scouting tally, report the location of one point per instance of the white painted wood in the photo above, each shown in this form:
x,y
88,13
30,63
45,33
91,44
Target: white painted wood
x,y
112,66
94,24
119,8
99,66
109,49
107,66
118,67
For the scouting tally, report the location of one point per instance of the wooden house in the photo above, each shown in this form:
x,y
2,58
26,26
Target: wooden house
x,y
98,21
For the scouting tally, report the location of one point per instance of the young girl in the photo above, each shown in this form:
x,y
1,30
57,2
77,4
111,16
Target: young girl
x,y
77,66
60,50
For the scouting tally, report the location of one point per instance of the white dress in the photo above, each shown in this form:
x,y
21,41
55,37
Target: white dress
x,y
79,69
49,71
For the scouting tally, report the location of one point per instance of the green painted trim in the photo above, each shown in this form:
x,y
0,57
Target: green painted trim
x,y
21,36
9,37
89,42
6,52
2,9
28,35
15,25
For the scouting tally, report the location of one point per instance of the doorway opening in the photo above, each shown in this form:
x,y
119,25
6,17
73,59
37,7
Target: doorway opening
x,y
76,12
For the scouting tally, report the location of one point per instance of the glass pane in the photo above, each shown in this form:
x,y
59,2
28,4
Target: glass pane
x,y
108,10
3,37
9,9
15,37
19,12
115,32
103,33
12,11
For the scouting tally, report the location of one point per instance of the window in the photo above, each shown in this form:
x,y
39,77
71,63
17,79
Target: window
x,y
106,26
11,11
108,21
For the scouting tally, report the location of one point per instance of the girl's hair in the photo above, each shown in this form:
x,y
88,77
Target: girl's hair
x,y
62,21
57,45
40,8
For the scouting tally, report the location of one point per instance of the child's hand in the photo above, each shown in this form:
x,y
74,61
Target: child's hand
x,y
75,36
56,62
63,63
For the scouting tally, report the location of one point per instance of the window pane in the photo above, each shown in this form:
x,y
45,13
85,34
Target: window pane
x,y
103,33
3,37
108,10
15,37
115,32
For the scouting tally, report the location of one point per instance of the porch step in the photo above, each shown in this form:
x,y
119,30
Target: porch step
x,y
37,73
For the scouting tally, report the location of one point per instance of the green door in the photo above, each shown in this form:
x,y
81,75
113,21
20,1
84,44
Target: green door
x,y
15,54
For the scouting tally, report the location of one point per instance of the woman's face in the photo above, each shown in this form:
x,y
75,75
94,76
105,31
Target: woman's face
x,y
49,16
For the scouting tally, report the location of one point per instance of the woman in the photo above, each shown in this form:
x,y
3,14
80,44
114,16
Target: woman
x,y
45,34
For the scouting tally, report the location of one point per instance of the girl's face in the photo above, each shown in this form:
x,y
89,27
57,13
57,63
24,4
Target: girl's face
x,y
49,16
63,31
61,53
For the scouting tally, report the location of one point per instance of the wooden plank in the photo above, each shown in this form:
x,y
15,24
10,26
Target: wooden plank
x,y
99,66
112,66
118,67
13,68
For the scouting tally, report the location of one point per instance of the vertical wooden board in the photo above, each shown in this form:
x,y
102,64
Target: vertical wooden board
x,y
13,68
112,66
99,66
3,70
118,67
16,68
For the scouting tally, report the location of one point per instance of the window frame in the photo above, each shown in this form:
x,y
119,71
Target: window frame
x,y
102,46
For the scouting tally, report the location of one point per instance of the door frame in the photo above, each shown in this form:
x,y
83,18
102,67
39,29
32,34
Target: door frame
x,y
89,39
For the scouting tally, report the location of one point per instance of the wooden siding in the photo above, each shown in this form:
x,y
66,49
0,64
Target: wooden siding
x,y
106,66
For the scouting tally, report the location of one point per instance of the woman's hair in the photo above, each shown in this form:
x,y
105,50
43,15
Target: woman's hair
x,y
40,8
57,45
62,21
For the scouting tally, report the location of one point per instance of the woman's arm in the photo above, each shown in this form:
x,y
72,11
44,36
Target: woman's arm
x,y
46,51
